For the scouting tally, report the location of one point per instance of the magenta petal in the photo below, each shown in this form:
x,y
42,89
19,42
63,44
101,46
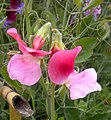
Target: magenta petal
x,y
36,53
13,32
25,69
38,42
23,47
61,65
11,16
14,4
83,83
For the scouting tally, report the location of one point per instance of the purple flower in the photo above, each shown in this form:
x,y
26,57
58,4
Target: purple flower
x,y
96,10
16,6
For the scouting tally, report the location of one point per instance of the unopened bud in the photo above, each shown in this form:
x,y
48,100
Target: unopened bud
x,y
57,43
44,31
42,34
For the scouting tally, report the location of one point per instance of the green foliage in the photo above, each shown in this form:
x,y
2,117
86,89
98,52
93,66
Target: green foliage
x,y
1,60
2,22
88,44
78,3
71,114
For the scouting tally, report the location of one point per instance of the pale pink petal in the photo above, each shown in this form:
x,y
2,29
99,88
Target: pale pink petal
x,y
83,83
13,32
25,69
38,42
61,64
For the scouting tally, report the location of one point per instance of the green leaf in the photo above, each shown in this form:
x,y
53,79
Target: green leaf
x,y
82,105
71,114
88,44
61,118
63,92
82,26
32,93
78,3
2,103
92,4
10,82
99,116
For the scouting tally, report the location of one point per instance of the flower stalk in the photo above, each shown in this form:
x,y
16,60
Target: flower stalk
x,y
47,98
53,117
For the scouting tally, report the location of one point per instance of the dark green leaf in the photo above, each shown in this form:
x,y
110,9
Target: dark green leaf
x,y
102,116
88,44
71,114
2,102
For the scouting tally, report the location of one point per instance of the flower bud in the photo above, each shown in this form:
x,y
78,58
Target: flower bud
x,y
44,31
42,34
57,43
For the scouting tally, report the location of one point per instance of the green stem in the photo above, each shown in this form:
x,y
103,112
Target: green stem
x,y
44,87
47,4
47,98
64,18
28,6
52,102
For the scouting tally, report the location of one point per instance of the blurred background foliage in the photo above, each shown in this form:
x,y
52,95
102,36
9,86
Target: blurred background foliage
x,y
77,29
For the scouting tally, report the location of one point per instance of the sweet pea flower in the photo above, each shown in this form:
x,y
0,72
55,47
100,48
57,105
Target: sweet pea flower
x,y
16,6
61,71
26,67
11,17
96,10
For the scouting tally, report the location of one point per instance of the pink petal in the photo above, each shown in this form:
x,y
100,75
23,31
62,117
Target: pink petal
x,y
83,83
36,53
61,65
25,69
23,47
38,42
13,32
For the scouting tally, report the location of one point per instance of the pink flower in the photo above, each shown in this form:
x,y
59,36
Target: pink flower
x,y
26,67
61,71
